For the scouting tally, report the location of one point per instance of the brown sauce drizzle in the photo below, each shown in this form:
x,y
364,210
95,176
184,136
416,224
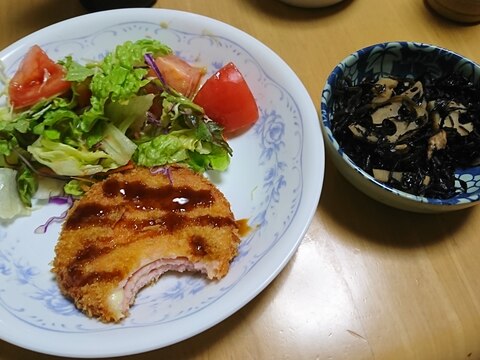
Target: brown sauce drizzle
x,y
91,213
168,223
243,227
168,198
176,201
144,198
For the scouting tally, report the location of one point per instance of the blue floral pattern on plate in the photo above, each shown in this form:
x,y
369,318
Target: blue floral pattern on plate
x,y
265,183
270,131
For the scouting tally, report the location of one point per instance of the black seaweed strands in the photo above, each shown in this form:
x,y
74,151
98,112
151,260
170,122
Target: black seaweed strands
x,y
410,133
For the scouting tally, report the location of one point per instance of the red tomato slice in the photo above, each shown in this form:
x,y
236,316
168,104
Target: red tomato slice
x,y
179,74
38,77
227,99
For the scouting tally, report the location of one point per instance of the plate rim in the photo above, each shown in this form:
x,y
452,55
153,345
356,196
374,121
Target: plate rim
x,y
307,204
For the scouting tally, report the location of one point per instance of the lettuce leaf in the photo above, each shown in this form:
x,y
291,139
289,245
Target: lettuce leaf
x,y
188,137
27,185
129,113
11,203
182,146
74,188
75,71
66,160
118,146
120,76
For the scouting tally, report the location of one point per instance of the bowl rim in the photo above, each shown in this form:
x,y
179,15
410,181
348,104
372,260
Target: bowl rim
x,y
326,124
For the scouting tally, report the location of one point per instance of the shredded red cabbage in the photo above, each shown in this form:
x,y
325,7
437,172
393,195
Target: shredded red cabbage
x,y
59,200
164,171
151,63
152,119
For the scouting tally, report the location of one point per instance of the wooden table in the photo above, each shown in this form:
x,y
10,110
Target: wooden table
x,y
368,281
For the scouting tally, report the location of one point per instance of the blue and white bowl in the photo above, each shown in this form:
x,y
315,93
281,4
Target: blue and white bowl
x,y
402,59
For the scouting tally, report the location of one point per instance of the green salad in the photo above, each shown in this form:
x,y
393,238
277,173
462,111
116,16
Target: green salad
x,y
75,123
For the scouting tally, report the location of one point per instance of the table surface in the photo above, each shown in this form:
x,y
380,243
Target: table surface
x,y
368,281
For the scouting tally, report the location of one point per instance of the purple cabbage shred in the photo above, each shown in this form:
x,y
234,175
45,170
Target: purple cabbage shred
x,y
58,200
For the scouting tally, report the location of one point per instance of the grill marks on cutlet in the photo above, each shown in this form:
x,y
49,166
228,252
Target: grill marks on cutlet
x,y
175,204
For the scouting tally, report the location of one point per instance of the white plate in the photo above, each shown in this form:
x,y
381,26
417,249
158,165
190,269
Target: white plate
x,y
275,180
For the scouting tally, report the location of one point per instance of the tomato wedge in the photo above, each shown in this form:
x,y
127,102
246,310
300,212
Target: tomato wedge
x,y
179,74
38,77
227,99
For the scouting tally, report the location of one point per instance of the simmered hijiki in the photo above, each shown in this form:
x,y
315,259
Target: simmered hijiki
x,y
410,133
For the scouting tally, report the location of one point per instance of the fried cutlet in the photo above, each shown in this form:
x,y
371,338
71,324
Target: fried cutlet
x,y
130,228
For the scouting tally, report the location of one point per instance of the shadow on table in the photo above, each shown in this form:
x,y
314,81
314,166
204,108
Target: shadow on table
x,y
372,221
285,11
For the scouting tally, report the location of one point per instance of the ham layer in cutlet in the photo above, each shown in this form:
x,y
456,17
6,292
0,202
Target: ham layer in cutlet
x,y
132,227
